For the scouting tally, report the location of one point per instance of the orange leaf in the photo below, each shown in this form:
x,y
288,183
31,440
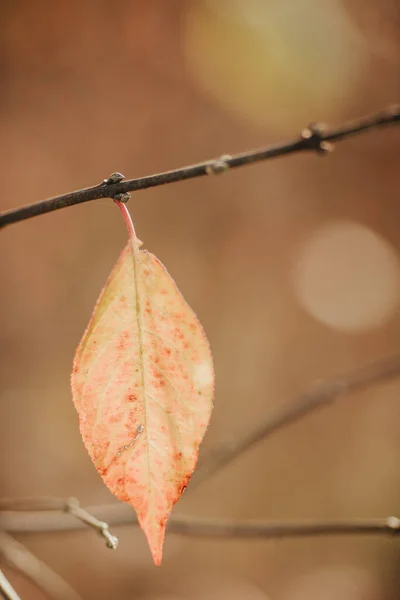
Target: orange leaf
x,y
143,384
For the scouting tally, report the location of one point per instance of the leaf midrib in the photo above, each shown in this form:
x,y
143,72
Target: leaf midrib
x,y
139,320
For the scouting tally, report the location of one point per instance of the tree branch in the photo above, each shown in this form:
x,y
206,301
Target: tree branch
x,y
271,530
74,509
121,514
70,506
17,556
34,515
314,138
321,394
6,589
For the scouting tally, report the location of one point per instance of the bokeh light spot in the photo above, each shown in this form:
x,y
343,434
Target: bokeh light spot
x,y
347,277
279,63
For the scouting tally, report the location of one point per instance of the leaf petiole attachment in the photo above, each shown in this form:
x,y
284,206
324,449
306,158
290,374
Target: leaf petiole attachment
x,y
127,218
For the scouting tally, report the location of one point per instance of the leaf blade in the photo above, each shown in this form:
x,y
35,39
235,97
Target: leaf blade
x,y
144,361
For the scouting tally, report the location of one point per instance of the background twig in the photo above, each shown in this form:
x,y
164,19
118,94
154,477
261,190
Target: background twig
x,y
17,556
315,138
6,589
122,514
321,394
52,518
74,509
270,530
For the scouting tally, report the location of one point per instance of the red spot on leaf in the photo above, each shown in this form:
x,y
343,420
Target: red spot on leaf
x,y
119,353
178,456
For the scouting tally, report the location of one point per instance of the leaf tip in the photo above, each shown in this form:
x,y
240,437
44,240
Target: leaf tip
x,y
155,535
157,558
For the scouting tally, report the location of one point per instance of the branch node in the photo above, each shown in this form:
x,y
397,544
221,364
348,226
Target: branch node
x,y
313,136
124,197
114,178
73,507
219,165
394,525
393,113
111,540
71,504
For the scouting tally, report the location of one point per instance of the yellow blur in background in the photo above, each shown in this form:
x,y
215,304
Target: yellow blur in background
x,y
278,64
292,267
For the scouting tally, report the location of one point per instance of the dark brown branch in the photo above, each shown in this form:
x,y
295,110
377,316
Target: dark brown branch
x,y
321,394
121,514
18,557
314,138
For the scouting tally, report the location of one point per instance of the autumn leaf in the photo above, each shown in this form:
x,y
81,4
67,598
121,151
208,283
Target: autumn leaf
x,y
143,384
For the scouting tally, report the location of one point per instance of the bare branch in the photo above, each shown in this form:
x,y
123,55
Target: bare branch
x,y
34,520
20,558
34,515
74,509
6,589
315,138
33,503
263,529
122,514
321,394
51,504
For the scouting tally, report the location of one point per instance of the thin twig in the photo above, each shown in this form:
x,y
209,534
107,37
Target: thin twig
x,y
74,509
33,503
314,138
6,589
71,506
263,529
51,505
35,521
17,556
321,394
121,514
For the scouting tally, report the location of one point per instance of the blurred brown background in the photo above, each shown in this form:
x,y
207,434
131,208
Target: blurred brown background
x,y
292,267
